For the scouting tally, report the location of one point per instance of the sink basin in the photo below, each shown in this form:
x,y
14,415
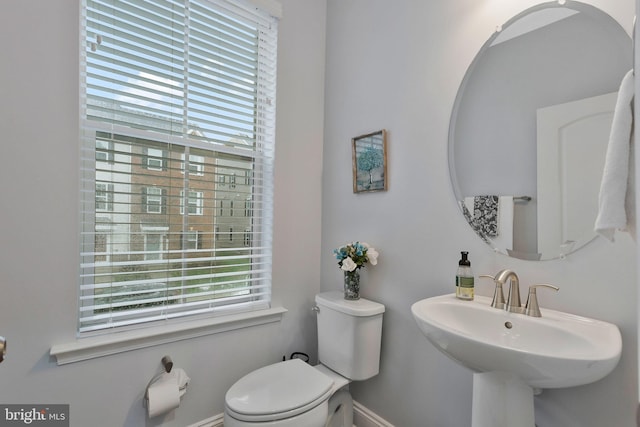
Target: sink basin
x,y
552,351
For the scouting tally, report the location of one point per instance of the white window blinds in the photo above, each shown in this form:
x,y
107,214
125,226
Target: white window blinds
x,y
178,135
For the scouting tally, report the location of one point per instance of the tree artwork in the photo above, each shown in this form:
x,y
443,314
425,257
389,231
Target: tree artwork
x,y
370,159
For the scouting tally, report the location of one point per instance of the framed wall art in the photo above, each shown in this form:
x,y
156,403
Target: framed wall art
x,y
370,162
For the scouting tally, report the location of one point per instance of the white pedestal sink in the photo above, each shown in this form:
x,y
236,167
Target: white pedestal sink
x,y
514,355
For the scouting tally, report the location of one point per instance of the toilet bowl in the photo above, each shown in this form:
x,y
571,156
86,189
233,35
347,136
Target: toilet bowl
x,y
295,394
290,393
340,410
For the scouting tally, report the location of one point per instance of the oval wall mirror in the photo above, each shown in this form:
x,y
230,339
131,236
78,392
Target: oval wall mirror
x,y
530,127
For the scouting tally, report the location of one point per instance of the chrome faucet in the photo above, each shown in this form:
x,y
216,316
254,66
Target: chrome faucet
x,y
532,308
498,295
513,299
513,303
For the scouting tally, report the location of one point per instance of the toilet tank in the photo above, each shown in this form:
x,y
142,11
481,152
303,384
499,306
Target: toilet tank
x,y
349,335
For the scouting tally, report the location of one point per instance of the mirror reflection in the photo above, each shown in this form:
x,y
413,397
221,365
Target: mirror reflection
x,y
530,127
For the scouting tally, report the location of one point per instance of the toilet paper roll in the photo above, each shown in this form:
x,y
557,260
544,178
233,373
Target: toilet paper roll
x,y
163,395
182,379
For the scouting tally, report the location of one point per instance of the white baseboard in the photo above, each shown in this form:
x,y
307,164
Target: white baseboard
x,y
362,417
215,421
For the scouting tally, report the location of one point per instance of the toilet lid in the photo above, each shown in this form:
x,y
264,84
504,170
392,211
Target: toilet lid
x,y
290,387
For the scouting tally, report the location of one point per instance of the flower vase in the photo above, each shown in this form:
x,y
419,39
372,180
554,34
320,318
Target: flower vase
x,y
351,285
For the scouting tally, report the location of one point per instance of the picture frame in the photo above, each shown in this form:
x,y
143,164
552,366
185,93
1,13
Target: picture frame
x,y
369,154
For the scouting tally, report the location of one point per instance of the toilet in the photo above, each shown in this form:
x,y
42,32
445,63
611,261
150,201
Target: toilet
x,y
295,394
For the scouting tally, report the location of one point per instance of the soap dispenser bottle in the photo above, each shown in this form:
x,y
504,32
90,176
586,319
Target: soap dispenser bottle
x,y
464,278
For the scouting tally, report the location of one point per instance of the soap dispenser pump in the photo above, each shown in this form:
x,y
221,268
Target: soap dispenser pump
x,y
464,278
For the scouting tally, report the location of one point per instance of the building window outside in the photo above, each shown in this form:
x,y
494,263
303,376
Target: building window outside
x,y
154,200
104,151
154,159
104,196
247,237
194,202
192,240
196,164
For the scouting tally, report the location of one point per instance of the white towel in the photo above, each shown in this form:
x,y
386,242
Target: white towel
x,y
616,203
504,240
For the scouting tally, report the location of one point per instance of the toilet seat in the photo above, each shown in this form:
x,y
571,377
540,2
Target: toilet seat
x,y
278,391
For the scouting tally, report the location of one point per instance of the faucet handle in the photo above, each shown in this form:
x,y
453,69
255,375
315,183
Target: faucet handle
x,y
532,308
498,295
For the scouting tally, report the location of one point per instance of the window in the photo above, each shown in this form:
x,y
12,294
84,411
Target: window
x,y
195,166
194,202
154,200
176,97
247,237
154,159
104,196
192,240
104,151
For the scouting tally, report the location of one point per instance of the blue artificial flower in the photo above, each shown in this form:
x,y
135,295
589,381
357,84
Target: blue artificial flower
x,y
355,255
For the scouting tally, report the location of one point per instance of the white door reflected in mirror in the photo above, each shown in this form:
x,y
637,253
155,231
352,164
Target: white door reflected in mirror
x,y
572,144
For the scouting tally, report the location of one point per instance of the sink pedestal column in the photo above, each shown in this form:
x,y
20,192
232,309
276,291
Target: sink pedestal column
x,y
501,399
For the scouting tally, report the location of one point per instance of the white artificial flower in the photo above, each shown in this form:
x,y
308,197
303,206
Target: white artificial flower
x,y
348,264
372,254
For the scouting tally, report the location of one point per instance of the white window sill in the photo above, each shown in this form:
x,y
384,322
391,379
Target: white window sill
x,y
120,342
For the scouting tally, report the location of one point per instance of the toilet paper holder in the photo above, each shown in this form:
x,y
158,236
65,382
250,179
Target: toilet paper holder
x,y
167,363
182,378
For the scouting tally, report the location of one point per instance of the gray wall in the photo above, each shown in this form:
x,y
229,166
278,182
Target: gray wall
x,y
393,65
397,65
38,224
